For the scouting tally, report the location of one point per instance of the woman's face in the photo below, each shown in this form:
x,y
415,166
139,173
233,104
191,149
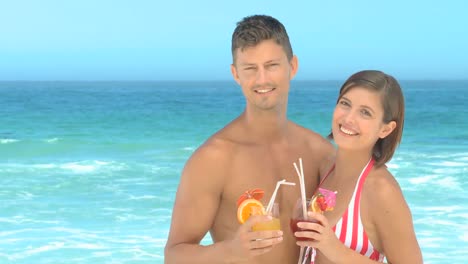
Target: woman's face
x,y
358,120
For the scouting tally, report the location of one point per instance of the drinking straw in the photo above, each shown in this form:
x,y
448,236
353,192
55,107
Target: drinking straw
x,y
300,256
273,196
307,255
302,187
300,174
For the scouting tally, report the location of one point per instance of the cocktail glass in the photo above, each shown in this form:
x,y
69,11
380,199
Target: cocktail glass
x,y
273,224
298,216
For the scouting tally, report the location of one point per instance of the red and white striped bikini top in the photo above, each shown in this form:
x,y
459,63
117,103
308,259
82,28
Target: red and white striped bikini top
x,y
349,228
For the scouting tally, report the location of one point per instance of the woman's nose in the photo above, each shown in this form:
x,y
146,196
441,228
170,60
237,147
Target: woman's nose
x,y
350,117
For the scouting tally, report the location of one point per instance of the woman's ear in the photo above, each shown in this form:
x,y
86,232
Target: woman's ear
x,y
387,129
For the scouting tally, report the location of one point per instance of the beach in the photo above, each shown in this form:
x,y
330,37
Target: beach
x,y
89,170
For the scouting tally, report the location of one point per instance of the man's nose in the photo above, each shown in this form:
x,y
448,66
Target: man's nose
x,y
261,76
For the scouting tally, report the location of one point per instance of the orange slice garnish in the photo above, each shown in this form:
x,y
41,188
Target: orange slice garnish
x,y
251,194
249,207
314,206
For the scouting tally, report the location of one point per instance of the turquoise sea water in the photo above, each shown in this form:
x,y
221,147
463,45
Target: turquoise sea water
x,y
89,170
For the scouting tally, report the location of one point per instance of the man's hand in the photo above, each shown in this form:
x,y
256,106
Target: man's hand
x,y
247,243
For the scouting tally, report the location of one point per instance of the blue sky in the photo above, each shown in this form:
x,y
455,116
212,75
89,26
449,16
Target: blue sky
x,y
190,40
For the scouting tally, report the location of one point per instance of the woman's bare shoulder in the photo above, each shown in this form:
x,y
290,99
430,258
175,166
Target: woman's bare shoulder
x,y
383,193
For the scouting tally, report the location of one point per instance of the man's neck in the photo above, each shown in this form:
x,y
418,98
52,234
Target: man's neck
x,y
265,126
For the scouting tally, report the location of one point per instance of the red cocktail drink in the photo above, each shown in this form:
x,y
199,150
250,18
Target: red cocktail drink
x,y
295,228
298,216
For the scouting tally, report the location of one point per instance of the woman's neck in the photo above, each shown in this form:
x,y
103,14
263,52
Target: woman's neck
x,y
350,163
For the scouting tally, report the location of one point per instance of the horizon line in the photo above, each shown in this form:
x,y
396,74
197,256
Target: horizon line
x,y
219,80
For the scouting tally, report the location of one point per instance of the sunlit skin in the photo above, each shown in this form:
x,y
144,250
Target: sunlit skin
x,y
358,120
264,73
255,150
357,125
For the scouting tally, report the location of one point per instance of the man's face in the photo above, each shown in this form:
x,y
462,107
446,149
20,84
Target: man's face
x,y
264,73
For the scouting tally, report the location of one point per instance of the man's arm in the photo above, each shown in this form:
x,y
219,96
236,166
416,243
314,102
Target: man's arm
x,y
195,208
196,203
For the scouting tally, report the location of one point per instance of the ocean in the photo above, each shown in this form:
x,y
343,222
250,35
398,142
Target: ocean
x,y
89,170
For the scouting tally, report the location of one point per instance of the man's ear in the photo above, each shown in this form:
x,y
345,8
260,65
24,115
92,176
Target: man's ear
x,y
294,64
387,129
234,73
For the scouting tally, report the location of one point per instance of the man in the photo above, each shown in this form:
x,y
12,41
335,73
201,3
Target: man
x,y
255,150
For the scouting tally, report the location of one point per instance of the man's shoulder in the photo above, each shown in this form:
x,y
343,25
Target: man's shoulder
x,y
208,164
216,147
310,137
304,130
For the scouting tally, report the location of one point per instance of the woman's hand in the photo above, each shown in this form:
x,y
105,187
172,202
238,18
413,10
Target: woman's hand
x,y
321,236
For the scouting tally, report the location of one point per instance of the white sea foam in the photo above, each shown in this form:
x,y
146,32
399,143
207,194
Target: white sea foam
x,y
86,166
143,197
48,247
393,166
464,236
19,219
33,251
67,230
140,253
423,179
454,164
449,182
86,246
25,195
444,163
445,181
430,241
113,209
447,170
102,254
78,168
12,220
51,140
442,209
129,217
14,232
8,140
44,166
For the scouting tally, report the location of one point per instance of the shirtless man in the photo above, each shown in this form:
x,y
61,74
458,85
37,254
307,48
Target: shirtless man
x,y
255,150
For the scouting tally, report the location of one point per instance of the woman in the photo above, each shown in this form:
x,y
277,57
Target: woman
x,y
371,220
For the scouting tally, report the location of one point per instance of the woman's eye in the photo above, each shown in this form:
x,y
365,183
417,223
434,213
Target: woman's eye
x,y
343,103
366,113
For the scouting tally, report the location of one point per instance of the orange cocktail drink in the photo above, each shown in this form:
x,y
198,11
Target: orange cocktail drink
x,y
273,224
